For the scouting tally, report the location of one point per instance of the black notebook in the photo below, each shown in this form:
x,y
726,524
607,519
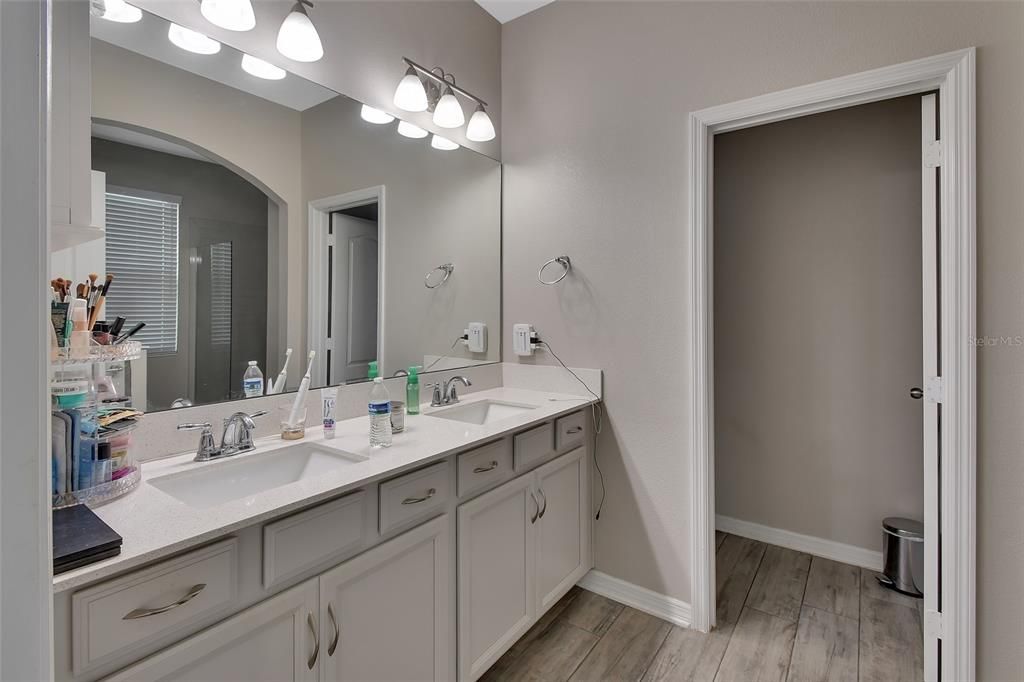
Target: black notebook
x,y
80,538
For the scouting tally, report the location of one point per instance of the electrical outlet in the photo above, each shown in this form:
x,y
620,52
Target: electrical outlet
x,y
522,339
476,340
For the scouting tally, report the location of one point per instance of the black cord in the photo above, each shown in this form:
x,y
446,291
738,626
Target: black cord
x,y
597,410
458,338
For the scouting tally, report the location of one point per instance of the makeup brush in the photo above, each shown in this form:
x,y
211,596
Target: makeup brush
x,y
100,300
130,333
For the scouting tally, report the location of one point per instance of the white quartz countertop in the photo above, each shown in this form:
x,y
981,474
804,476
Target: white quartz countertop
x,y
155,525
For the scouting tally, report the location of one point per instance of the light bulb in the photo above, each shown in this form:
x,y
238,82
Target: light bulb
x,y
121,12
234,15
371,115
298,38
254,66
192,41
448,112
480,128
442,143
409,130
410,95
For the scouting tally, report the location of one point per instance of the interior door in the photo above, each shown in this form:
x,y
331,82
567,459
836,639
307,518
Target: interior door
x,y
932,391
352,297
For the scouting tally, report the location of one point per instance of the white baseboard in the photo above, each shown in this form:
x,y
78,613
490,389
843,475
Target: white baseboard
x,y
640,598
828,549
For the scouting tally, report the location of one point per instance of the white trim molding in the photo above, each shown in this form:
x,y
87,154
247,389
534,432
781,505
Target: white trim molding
x,y
640,598
319,219
809,544
952,74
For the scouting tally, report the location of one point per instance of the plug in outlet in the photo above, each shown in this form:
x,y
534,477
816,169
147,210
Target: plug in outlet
x,y
476,337
523,339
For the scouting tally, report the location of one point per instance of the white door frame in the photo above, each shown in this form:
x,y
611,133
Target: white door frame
x,y
952,74
319,219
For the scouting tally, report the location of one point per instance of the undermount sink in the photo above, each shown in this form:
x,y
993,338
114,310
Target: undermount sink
x,y
230,479
481,412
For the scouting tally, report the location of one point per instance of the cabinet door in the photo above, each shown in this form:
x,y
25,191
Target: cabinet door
x,y
496,573
563,536
273,641
387,614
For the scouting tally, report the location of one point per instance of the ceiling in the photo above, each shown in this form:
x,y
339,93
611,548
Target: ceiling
x,y
507,10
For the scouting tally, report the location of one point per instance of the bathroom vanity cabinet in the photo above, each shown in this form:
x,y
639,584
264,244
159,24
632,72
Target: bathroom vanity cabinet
x,y
429,574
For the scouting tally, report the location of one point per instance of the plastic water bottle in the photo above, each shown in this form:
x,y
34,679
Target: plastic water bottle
x,y
252,381
380,415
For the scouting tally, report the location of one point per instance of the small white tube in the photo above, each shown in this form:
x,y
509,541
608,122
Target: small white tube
x,y
329,396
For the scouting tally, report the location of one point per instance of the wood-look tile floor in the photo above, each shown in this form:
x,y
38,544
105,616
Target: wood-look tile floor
x,y
782,615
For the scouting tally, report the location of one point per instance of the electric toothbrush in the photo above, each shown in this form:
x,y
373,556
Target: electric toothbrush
x,y
277,385
300,397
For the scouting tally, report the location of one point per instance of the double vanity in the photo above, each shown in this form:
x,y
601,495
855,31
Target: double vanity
x,y
329,560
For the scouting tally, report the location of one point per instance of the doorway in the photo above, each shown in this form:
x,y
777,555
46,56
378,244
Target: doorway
x,y
949,624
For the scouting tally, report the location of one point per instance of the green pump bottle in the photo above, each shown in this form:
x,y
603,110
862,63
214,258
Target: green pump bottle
x,y
412,392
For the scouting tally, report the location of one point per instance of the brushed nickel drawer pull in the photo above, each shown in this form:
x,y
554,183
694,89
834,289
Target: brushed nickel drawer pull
x,y
337,632
146,613
484,470
536,513
543,509
316,641
575,429
417,500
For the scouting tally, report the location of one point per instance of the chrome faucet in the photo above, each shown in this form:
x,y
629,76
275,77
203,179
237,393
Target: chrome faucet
x,y
234,439
445,393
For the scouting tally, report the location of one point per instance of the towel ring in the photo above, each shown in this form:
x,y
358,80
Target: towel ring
x,y
447,269
561,260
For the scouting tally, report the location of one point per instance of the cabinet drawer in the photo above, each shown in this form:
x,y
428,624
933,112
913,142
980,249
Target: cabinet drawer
x,y
111,618
414,497
308,538
534,446
481,468
570,431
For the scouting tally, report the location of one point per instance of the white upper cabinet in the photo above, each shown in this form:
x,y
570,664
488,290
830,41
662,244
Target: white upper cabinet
x,y
71,184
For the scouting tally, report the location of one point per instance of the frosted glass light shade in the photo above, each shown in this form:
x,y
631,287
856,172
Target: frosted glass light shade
x,y
371,115
297,39
192,41
410,95
448,112
480,128
234,15
254,66
442,143
409,130
121,12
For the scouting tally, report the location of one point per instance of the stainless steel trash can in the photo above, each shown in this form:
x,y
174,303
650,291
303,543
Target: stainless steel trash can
x,y
903,556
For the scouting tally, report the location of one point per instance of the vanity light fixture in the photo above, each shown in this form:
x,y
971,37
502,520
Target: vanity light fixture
x,y
480,128
442,143
448,112
234,15
409,130
116,10
254,66
192,41
410,95
297,39
435,90
371,115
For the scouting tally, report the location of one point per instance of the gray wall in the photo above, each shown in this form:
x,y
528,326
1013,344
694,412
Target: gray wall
x,y
364,42
817,312
596,97
209,192
440,207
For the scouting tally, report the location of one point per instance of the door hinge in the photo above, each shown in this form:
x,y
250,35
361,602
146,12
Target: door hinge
x,y
933,154
934,389
933,624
